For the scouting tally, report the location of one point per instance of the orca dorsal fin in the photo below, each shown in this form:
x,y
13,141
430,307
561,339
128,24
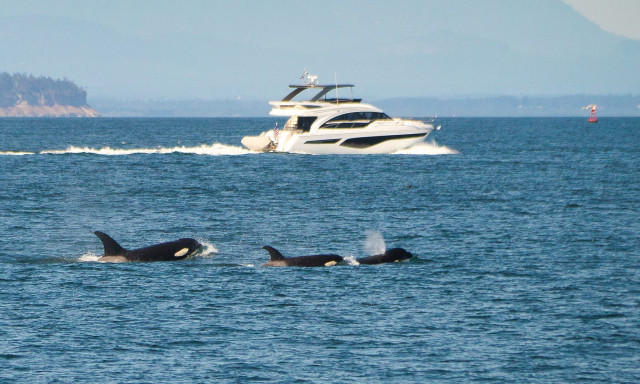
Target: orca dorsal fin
x,y
274,254
111,247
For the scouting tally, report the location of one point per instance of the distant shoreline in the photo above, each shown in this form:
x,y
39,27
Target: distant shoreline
x,y
25,110
498,106
24,95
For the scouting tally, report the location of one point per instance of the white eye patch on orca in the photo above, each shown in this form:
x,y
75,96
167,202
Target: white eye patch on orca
x,y
181,252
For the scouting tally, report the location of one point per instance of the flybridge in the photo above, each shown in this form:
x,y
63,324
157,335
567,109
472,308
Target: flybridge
x,y
322,91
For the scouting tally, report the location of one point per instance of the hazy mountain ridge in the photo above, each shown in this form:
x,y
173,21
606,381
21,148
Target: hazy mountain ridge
x,y
181,108
511,106
498,106
410,48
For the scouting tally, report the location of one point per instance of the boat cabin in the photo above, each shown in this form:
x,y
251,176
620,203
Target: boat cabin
x,y
344,121
300,123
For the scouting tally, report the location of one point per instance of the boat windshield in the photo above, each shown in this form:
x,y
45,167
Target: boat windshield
x,y
320,93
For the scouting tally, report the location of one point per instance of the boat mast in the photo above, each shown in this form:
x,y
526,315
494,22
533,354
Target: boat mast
x,y
335,78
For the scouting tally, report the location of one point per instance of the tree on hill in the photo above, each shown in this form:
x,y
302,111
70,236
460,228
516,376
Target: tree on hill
x,y
39,91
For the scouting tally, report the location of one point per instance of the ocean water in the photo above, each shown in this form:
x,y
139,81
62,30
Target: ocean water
x,y
526,234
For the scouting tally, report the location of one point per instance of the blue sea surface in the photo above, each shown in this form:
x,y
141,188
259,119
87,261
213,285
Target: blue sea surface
x,y
526,236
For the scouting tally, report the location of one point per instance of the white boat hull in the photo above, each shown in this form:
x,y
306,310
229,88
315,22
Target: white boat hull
x,y
338,144
346,142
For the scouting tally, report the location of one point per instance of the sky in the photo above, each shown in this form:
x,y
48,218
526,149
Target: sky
x,y
217,49
617,16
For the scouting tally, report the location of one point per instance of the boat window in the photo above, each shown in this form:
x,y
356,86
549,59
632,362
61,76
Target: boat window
x,y
355,120
302,123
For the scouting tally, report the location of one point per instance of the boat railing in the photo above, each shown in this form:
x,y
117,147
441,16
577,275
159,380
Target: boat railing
x,y
341,100
409,122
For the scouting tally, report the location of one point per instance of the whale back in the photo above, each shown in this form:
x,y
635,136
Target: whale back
x,y
277,260
390,256
398,254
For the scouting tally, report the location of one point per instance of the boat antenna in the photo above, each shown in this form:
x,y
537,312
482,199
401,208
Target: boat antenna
x,y
309,79
335,79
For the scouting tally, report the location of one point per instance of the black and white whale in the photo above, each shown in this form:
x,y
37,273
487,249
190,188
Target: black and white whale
x,y
173,250
277,260
391,256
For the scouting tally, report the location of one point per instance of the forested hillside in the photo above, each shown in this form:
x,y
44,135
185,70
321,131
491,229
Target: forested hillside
x,y
39,91
29,96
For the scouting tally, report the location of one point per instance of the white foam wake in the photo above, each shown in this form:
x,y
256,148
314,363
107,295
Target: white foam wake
x,y
15,153
351,260
208,249
89,257
427,148
215,149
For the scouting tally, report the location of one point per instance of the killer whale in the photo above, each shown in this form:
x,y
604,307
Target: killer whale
x,y
277,260
391,256
173,250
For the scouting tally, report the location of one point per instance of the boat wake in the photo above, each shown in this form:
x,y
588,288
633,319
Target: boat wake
x,y
16,153
427,148
215,149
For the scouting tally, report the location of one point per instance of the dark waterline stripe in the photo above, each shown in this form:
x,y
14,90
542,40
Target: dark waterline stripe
x,y
366,142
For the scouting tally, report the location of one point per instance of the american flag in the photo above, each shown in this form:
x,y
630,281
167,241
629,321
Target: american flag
x,y
276,131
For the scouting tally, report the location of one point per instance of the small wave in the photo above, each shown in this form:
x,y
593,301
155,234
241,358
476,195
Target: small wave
x,y
208,249
15,153
89,257
215,149
351,260
427,148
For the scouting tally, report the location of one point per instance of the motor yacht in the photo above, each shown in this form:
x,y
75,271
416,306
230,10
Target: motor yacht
x,y
321,122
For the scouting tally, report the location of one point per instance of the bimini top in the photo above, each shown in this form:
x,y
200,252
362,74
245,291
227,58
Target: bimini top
x,y
322,91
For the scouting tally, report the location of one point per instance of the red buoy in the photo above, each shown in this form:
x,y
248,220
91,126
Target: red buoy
x,y
593,118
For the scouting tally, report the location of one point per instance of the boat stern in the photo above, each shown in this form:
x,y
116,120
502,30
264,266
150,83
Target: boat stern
x,y
262,143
